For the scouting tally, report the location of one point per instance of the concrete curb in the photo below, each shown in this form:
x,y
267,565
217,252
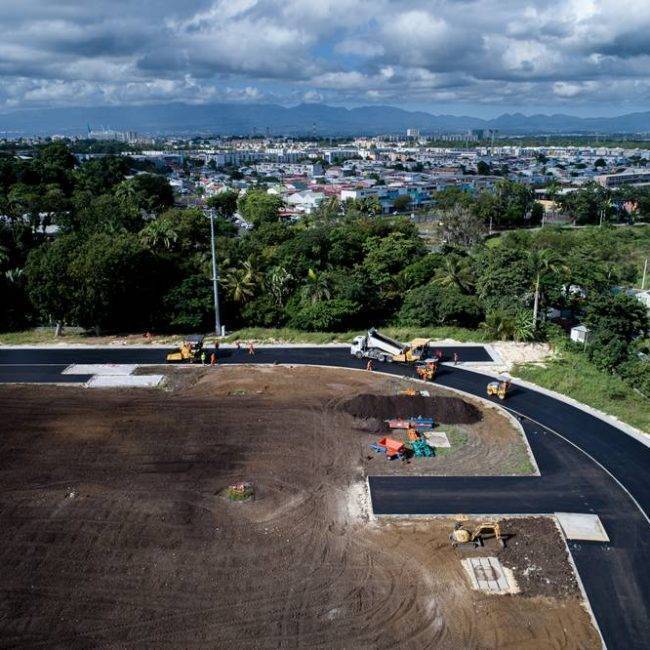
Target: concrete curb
x,y
628,429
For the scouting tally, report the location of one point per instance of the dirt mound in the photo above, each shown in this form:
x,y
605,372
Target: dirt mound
x,y
449,410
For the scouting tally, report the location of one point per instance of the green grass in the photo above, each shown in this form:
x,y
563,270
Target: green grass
x,y
572,375
43,336
285,335
457,437
37,336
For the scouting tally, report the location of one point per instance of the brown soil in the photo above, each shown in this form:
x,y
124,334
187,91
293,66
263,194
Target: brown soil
x,y
449,410
114,532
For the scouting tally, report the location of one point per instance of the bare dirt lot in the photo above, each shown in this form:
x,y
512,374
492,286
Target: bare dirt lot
x,y
115,530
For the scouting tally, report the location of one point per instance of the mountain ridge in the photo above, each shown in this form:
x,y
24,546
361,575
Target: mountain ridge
x,y
302,119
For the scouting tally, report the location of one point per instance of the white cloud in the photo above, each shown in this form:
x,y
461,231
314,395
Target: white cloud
x,y
477,51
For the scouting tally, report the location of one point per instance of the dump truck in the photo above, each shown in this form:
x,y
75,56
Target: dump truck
x,y
374,345
188,352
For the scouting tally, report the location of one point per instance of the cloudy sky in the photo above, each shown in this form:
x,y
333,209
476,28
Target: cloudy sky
x,y
479,57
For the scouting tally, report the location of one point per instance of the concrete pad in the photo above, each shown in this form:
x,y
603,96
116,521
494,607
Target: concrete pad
x,y
125,381
100,369
488,575
437,439
584,527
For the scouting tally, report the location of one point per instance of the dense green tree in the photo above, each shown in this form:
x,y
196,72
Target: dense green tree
x,y
402,203
101,175
587,205
189,304
435,305
50,286
616,316
483,168
224,203
149,192
259,207
331,315
117,283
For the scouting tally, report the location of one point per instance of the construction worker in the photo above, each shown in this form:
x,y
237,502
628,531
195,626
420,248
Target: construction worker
x,y
203,357
251,348
238,345
213,359
455,358
369,366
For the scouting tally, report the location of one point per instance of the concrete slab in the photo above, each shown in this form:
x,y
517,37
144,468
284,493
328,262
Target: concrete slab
x,y
100,369
437,439
583,527
488,575
125,381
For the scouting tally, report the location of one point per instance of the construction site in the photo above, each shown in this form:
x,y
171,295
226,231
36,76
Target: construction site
x,y
230,508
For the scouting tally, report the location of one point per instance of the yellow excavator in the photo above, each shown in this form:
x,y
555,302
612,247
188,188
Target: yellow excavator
x,y
189,351
500,387
462,536
426,370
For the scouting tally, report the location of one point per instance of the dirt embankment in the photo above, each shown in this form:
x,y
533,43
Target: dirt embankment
x,y
375,409
115,530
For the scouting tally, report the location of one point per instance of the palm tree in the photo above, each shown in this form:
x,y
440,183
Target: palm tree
x,y
544,263
160,232
278,281
456,271
127,194
317,287
241,282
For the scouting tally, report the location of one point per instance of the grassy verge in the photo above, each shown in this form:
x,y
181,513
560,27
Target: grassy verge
x,y
285,335
45,336
572,375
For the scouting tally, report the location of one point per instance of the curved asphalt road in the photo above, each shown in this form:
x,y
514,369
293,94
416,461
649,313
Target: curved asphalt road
x,y
586,465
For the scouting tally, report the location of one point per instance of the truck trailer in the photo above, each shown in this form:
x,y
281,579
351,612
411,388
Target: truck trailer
x,y
374,345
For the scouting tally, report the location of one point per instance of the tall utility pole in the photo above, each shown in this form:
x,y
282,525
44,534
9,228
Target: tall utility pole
x,y
645,271
215,277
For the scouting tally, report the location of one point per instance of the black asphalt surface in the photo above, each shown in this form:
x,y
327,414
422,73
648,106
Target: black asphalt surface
x,y
42,374
578,456
147,355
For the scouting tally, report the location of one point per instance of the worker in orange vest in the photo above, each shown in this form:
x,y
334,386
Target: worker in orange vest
x,y
251,348
213,359
369,366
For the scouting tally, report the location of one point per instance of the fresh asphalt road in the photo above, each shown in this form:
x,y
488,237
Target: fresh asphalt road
x,y
586,465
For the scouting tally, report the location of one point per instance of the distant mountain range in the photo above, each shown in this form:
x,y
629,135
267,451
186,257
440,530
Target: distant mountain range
x,y
246,119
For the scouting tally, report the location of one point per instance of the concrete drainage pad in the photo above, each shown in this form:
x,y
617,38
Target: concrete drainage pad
x,y
124,381
488,575
583,527
437,439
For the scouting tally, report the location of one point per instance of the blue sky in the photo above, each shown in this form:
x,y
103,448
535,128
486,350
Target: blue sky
x,y
476,57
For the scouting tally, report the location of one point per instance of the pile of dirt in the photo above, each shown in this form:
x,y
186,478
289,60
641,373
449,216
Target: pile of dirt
x,y
537,554
448,410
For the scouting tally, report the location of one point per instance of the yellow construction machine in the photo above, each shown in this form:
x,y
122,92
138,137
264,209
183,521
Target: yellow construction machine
x,y
188,352
462,536
414,351
426,370
500,387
